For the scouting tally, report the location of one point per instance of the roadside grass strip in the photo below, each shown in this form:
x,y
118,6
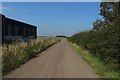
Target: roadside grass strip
x,y
98,65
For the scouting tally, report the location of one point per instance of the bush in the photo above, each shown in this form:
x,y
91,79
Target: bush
x,y
103,43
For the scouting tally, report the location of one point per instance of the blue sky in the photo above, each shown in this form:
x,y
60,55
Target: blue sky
x,y
54,18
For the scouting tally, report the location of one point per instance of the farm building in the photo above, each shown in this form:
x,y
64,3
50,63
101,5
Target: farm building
x,y
16,30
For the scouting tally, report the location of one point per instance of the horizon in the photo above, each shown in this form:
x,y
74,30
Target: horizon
x,y
54,18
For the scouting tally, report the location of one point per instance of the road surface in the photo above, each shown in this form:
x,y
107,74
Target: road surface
x,y
58,61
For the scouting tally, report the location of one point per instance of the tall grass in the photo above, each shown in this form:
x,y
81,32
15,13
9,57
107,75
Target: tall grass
x,y
16,54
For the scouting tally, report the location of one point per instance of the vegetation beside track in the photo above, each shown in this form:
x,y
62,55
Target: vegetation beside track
x,y
18,53
99,66
103,40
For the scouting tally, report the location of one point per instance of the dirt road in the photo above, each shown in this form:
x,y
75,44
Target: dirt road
x,y
59,61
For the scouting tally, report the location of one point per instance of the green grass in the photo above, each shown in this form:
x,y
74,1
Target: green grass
x,y
46,38
97,64
43,37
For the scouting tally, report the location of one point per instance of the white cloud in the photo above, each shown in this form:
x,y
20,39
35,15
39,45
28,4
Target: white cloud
x,y
5,8
12,9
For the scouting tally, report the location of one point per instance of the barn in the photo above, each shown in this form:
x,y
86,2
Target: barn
x,y
16,30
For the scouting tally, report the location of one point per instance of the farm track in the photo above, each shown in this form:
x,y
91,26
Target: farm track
x,y
58,61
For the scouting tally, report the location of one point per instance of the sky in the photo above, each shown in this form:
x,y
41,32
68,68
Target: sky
x,y
54,18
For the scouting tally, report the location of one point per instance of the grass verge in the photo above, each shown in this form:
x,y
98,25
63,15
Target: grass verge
x,y
97,64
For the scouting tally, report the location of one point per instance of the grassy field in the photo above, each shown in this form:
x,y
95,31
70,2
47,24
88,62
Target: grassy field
x,y
47,38
99,67
18,53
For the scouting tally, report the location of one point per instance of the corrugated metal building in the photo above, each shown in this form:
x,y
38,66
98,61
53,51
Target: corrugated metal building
x,y
16,30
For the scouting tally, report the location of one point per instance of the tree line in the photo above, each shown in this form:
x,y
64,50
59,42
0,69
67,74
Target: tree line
x,y
103,40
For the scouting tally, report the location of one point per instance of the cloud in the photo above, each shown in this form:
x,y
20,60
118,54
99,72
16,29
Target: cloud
x,y
3,8
11,9
6,8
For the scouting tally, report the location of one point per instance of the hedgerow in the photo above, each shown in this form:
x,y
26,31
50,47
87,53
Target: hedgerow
x,y
103,40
